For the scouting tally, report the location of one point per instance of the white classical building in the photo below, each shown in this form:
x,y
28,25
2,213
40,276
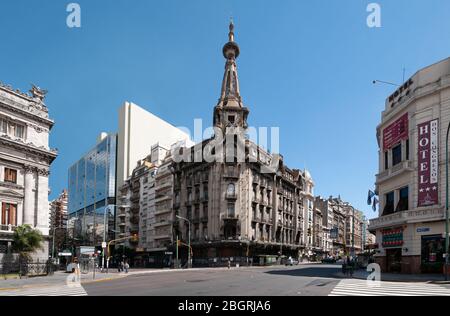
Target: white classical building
x,y
25,158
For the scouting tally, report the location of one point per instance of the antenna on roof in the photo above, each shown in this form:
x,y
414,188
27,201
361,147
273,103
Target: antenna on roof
x,y
385,82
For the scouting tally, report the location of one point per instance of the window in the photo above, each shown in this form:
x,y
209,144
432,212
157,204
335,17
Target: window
x,y
386,160
19,131
231,119
230,209
403,204
10,175
396,155
407,149
9,214
389,206
3,126
231,190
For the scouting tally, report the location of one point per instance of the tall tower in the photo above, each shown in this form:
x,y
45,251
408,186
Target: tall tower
x,y
230,111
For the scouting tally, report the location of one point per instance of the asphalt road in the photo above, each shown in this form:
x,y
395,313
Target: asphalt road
x,y
305,280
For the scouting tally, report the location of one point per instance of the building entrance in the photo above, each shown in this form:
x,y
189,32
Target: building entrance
x,y
394,260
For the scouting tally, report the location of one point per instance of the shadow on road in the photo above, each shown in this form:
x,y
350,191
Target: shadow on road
x,y
318,272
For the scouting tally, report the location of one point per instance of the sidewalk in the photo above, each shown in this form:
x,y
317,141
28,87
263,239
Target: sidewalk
x,y
59,278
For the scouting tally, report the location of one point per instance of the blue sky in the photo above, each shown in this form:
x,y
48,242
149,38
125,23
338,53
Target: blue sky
x,y
305,66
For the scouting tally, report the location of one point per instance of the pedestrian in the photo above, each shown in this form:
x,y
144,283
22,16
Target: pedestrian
x,y
229,264
126,266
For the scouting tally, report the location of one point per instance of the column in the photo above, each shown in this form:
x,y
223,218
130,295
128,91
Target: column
x,y
29,203
43,208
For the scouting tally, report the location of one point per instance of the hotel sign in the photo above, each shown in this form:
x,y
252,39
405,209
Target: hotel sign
x,y
396,132
428,162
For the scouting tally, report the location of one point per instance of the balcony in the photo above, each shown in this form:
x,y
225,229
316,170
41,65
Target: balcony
x,y
162,197
163,210
406,217
231,174
162,223
230,217
404,166
163,185
231,196
7,228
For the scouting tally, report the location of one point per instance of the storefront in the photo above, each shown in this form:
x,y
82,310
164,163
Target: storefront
x,y
433,250
393,243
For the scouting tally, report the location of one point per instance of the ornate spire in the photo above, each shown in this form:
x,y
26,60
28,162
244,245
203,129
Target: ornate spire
x,y
230,85
230,110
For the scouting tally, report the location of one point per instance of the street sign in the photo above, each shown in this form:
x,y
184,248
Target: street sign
x,y
65,254
84,250
103,245
168,253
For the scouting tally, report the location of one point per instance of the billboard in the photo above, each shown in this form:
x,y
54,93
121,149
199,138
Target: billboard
x,y
428,163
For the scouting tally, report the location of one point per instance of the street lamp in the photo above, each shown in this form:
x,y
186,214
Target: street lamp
x,y
447,241
107,209
189,242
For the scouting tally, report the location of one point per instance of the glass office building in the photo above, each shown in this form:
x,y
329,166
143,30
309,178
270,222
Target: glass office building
x,y
92,194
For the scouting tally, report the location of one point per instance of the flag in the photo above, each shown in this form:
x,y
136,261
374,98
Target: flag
x,y
369,197
375,203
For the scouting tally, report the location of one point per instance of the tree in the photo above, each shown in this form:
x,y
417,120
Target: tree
x,y
26,240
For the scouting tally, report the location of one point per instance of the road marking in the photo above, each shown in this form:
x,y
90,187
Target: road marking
x,y
60,290
354,287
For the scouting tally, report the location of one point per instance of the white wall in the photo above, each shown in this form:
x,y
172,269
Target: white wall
x,y
139,130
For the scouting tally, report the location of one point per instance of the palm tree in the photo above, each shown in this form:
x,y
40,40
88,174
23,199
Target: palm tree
x,y
26,240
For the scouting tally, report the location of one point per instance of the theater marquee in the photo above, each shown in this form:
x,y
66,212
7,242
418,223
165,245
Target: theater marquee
x,y
428,162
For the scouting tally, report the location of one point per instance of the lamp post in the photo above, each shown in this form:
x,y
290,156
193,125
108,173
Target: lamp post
x,y
189,240
105,229
447,241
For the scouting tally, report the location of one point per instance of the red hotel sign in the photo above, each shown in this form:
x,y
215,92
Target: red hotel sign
x,y
395,132
428,151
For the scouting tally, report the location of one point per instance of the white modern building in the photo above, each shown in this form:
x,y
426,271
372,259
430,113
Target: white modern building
x,y
96,179
139,130
25,158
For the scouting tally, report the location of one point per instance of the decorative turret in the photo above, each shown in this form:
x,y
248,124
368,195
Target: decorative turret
x,y
230,110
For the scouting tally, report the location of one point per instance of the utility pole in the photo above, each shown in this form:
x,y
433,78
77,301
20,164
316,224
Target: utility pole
x,y
178,265
189,242
447,241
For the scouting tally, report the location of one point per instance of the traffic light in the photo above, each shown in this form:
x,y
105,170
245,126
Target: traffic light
x,y
135,238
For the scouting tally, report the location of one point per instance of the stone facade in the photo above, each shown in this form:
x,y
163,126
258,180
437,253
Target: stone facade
x,y
58,222
342,227
237,206
410,233
25,158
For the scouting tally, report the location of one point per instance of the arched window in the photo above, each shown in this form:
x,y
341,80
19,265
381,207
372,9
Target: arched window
x,y
231,190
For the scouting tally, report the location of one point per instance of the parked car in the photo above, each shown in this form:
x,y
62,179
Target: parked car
x,y
291,262
329,260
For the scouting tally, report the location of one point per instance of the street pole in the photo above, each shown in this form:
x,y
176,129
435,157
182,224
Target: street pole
x,y
189,241
190,249
53,244
447,241
104,236
178,265
353,234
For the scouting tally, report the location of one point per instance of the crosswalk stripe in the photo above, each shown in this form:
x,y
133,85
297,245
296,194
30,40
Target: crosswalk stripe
x,y
354,287
62,290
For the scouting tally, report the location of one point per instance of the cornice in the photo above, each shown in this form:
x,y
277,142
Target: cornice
x,y
30,148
